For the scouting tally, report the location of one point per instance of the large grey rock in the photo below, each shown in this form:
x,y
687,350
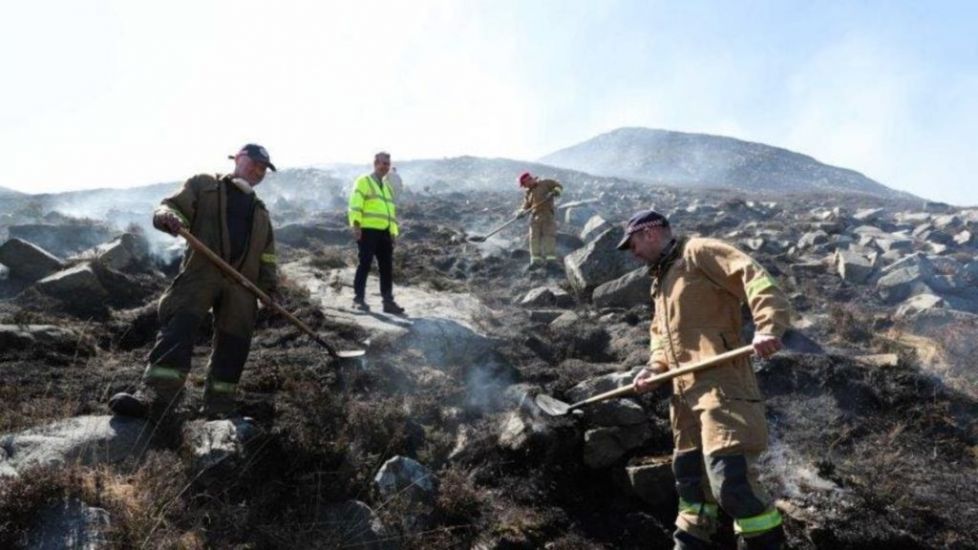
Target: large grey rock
x,y
605,446
963,238
653,482
918,303
353,524
218,442
404,475
578,215
594,227
28,261
79,282
867,215
27,337
853,267
616,412
630,289
598,262
565,320
69,524
894,242
601,384
907,277
126,251
547,296
813,238
83,439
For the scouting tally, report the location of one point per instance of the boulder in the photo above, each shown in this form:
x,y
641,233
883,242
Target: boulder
x,y
963,238
918,303
79,282
404,475
547,296
853,267
30,337
813,238
598,262
594,227
654,482
69,524
601,384
605,446
87,440
907,277
630,289
28,261
218,442
616,412
126,251
565,320
867,215
578,216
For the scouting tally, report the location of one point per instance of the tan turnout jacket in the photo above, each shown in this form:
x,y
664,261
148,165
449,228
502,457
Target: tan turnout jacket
x,y
697,298
201,206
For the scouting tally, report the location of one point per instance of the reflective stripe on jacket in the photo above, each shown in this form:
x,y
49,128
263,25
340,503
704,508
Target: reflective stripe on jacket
x,y
372,205
697,297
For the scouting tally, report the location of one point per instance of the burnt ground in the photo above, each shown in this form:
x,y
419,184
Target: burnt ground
x,y
862,456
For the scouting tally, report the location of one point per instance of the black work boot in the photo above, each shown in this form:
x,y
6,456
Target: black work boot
x,y
686,541
390,306
771,540
360,304
143,403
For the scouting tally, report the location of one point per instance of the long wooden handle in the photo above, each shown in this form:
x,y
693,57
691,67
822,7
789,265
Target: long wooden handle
x,y
530,209
705,364
195,243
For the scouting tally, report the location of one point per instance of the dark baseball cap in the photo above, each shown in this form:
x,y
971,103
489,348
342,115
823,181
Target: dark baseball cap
x,y
256,152
639,221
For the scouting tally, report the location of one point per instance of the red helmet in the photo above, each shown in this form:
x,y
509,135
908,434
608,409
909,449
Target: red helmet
x,y
523,177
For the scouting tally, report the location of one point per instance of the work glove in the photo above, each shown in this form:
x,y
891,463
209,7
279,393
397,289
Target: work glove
x,y
522,213
766,345
167,221
641,382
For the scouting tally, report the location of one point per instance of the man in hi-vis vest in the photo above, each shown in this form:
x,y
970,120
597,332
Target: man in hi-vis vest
x,y
373,217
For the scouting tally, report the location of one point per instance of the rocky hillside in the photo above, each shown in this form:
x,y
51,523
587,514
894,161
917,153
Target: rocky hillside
x,y
433,440
700,160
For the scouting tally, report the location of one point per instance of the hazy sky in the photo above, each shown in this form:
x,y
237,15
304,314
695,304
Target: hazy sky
x,y
114,94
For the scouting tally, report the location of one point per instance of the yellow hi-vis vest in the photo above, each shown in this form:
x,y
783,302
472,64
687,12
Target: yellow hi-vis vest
x,y
372,205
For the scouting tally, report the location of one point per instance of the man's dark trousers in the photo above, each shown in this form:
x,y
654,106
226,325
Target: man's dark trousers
x,y
375,242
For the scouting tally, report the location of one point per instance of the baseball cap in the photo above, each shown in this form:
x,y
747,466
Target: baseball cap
x,y
256,152
639,221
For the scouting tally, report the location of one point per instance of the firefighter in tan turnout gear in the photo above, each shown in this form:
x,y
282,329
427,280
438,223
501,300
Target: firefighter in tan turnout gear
x,y
224,213
717,415
538,202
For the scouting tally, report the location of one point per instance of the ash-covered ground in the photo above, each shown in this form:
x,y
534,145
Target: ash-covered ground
x,y
432,440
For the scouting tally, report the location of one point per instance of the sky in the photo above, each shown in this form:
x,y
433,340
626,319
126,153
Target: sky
x,y
116,94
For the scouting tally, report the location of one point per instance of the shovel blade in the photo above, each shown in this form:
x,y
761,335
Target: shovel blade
x,y
551,406
477,239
